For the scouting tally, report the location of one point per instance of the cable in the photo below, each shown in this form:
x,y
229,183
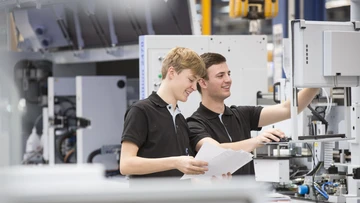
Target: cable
x,y
316,114
68,109
69,155
323,185
64,99
312,155
323,193
92,155
329,102
59,143
109,173
327,98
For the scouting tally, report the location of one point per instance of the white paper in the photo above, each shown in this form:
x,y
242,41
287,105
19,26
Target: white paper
x,y
220,161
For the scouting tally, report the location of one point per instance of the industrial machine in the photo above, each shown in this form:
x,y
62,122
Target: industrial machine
x,y
253,9
79,38
323,55
85,120
323,65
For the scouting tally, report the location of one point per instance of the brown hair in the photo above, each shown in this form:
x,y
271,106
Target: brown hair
x,y
181,58
209,60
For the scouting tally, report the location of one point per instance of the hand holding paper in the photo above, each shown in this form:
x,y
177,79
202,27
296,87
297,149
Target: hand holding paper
x,y
221,161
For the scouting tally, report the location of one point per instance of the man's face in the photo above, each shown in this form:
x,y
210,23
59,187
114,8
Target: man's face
x,y
219,83
184,84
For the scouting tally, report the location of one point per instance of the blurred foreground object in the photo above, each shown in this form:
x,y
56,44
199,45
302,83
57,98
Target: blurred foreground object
x,y
86,183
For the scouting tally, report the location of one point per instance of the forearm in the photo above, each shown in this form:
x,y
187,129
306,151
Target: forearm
x,y
305,97
141,166
247,145
280,112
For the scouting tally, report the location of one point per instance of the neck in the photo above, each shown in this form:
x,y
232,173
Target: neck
x,y
215,105
166,94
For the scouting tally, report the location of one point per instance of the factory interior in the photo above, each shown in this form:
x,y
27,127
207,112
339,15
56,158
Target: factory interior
x,y
75,76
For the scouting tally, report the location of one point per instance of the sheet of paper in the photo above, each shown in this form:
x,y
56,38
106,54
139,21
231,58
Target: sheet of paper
x,y
220,161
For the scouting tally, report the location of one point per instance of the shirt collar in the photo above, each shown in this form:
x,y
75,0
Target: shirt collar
x,y
210,114
157,100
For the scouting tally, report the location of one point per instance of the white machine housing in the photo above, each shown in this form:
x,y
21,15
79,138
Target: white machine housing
x,y
272,170
102,100
246,57
325,54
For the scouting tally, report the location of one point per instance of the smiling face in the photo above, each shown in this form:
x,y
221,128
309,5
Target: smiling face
x,y
218,84
184,83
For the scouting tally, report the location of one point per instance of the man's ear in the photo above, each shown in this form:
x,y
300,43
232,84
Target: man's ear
x,y
171,72
202,83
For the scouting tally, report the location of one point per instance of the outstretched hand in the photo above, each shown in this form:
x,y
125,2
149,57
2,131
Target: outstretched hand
x,y
269,135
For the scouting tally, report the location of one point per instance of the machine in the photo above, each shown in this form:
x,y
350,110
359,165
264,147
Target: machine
x,y
253,9
85,120
323,55
79,38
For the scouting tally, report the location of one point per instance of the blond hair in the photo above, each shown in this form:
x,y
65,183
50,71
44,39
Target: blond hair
x,y
181,58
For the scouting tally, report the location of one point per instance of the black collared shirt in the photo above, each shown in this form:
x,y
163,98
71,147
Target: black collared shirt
x,y
233,125
150,125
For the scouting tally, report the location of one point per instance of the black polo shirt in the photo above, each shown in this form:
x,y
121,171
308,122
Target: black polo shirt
x,y
233,125
150,125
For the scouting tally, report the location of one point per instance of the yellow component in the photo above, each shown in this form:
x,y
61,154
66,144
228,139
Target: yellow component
x,y
315,144
241,8
232,8
271,8
14,39
206,17
270,56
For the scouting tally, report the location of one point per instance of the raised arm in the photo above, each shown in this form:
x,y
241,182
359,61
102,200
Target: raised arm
x,y
280,112
199,135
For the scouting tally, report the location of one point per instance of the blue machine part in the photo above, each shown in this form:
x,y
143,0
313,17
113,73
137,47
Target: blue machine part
x,y
303,189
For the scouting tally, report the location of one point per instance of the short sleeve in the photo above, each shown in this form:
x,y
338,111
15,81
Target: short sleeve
x,y
197,131
135,126
250,114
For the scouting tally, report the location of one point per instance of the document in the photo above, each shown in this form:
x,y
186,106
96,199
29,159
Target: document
x,y
220,161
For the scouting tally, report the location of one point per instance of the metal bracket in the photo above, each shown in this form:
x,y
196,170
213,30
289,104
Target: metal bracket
x,y
113,36
356,25
302,24
80,54
63,122
115,51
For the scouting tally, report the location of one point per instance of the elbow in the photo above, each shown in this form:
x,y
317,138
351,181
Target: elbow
x,y
124,168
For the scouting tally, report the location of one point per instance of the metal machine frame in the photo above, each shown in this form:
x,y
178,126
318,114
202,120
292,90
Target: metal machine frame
x,y
319,60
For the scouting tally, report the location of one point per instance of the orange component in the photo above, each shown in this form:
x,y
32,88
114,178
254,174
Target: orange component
x,y
271,8
241,8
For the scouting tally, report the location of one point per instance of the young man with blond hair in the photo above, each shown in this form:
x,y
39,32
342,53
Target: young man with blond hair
x,y
230,127
155,140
